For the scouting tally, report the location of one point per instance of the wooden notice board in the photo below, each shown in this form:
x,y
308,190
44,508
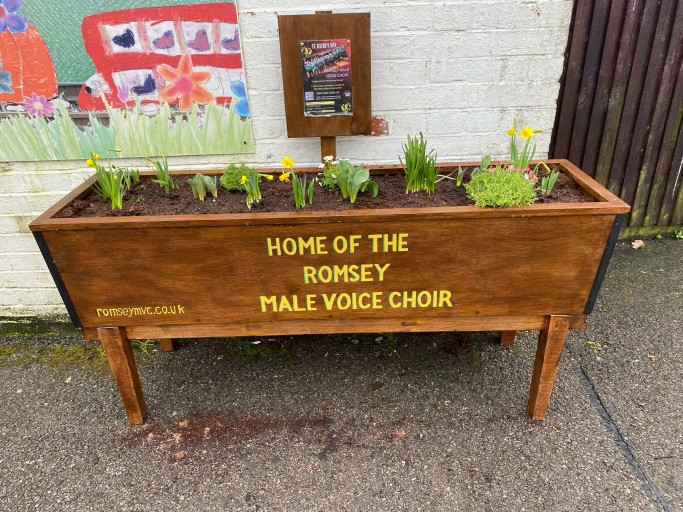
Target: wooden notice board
x,y
326,29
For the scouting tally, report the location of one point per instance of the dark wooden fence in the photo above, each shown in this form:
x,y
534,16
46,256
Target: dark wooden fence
x,y
621,105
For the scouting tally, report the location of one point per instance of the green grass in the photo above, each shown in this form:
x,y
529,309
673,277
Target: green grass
x,y
211,129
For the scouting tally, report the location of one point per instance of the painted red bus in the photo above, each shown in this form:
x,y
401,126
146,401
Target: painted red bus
x,y
126,46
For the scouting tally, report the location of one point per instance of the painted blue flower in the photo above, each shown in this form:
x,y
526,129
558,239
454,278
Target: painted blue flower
x,y
5,81
8,17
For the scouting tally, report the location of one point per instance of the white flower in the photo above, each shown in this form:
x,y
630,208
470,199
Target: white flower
x,y
328,158
321,166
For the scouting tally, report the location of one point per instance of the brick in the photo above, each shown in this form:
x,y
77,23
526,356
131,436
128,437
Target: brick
x,y
257,25
17,242
29,296
23,278
480,16
22,261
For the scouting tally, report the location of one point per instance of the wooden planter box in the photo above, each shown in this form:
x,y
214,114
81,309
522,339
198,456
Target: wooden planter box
x,y
429,269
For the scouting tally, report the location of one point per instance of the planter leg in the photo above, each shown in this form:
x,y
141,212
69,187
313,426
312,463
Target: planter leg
x,y
122,363
507,337
167,344
548,353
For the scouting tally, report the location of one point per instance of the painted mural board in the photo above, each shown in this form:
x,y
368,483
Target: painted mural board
x,y
171,78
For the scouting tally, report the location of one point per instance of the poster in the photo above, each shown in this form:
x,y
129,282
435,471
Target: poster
x,y
326,73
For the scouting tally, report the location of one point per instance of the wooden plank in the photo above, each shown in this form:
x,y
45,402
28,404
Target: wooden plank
x,y
589,80
652,113
608,62
673,187
290,327
167,344
572,83
507,338
617,97
567,247
328,147
667,120
122,364
629,131
548,354
296,28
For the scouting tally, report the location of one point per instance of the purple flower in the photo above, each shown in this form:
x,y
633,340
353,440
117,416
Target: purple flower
x,y
38,105
8,17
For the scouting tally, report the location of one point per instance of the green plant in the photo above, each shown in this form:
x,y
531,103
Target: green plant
x,y
678,234
201,185
112,182
548,182
163,177
329,173
484,165
301,191
520,158
354,179
419,166
250,181
232,177
501,187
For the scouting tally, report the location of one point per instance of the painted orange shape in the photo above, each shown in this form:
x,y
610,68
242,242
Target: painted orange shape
x,y
26,57
185,84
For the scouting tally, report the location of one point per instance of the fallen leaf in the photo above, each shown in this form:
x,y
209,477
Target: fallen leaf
x,y
637,244
651,357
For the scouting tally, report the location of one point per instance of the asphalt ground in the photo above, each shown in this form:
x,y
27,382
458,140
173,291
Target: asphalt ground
x,y
360,422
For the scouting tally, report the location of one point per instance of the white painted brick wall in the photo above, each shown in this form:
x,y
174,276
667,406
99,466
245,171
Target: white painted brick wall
x,y
457,70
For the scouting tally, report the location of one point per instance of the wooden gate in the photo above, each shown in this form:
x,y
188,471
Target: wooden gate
x,y
621,105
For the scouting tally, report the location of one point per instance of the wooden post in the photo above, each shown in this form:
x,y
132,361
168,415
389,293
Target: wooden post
x,y
167,344
122,363
548,353
507,338
328,146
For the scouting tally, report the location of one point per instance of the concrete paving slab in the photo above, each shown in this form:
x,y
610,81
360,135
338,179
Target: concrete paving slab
x,y
411,422
632,354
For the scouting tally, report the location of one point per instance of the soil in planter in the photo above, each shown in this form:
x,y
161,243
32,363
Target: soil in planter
x,y
147,198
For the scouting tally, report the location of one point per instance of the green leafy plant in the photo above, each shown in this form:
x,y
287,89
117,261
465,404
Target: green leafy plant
x,y
201,185
354,179
329,172
484,165
232,177
548,182
678,234
521,158
501,187
163,177
112,182
299,190
250,181
419,166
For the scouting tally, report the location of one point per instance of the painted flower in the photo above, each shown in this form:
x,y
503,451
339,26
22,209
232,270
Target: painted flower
x,y
287,162
9,19
527,132
285,176
124,93
184,84
5,81
38,105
